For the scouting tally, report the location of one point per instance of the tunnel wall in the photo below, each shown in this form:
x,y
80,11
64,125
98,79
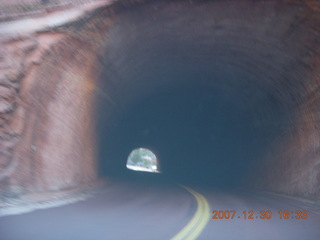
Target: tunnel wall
x,y
48,85
48,69
292,167
47,97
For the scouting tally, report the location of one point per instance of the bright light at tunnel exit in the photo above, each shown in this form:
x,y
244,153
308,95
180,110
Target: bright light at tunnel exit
x,y
144,160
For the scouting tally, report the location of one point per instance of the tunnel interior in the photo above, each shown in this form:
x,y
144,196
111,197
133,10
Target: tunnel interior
x,y
200,135
211,87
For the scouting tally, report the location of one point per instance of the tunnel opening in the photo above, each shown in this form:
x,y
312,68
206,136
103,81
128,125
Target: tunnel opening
x,y
210,87
143,160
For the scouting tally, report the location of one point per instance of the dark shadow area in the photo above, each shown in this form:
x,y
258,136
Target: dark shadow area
x,y
203,85
200,136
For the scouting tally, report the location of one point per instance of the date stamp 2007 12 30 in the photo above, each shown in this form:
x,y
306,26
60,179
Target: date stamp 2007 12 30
x,y
263,214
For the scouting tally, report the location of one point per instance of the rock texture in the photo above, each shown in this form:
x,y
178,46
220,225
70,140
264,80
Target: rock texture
x,y
46,99
15,9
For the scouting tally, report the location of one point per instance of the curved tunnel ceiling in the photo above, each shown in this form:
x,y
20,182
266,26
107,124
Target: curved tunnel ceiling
x,y
216,88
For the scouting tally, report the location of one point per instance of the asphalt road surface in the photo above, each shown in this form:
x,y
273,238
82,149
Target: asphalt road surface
x,y
137,210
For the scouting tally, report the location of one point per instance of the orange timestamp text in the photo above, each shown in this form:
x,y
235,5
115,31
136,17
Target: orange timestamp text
x,y
263,214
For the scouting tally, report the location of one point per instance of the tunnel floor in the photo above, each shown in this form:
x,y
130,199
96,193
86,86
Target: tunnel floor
x,y
141,210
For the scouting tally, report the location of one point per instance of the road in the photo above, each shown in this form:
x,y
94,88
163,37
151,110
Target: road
x,y
138,210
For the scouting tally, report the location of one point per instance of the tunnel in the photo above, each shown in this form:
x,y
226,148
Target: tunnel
x,y
214,88
225,93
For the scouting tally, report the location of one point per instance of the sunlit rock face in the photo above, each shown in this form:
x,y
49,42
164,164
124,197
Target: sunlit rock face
x,y
225,92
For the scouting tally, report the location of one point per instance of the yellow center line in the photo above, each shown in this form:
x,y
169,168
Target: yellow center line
x,y
199,220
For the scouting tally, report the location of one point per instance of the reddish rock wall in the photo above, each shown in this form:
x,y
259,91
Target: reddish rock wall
x,y
46,100
47,130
